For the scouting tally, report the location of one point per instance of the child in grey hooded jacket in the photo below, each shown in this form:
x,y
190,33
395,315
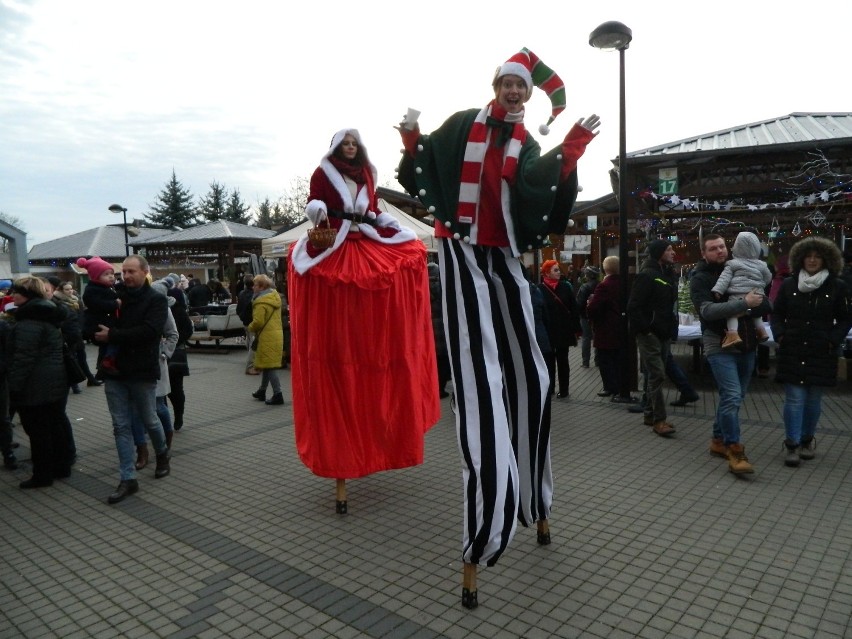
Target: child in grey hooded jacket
x,y
744,273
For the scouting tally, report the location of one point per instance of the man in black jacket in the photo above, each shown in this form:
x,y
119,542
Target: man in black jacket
x,y
137,333
651,311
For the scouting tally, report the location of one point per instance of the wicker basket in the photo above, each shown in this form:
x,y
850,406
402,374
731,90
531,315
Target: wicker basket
x,y
322,237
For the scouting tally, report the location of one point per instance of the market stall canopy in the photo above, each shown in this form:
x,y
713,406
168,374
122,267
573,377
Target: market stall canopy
x,y
275,247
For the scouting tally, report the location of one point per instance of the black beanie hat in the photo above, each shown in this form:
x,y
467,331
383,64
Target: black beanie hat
x,y
657,248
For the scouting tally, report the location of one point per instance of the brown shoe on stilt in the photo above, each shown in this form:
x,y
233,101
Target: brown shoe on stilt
x,y
469,595
543,532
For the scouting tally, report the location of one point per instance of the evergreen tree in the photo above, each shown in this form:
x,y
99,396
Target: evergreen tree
x,y
264,214
213,206
173,206
237,210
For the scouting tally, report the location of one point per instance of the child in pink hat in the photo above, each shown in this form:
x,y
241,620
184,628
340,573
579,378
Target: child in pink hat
x,y
102,305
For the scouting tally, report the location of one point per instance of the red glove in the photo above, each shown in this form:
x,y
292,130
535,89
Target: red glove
x,y
573,147
409,138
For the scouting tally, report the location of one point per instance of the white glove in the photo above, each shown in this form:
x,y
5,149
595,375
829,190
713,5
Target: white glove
x,y
316,211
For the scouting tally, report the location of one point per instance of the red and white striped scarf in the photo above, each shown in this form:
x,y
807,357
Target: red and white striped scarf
x,y
474,156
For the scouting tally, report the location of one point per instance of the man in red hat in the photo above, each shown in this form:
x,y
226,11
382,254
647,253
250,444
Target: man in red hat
x,y
493,196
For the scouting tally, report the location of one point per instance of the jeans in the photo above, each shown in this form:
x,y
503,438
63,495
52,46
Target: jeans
x,y
269,377
122,398
139,428
732,372
802,408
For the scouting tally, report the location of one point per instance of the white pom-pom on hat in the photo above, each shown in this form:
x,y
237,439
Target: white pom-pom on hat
x,y
544,129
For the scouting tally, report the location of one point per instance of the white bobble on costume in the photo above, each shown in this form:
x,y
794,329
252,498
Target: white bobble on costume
x,y
422,192
466,239
418,170
419,147
448,224
456,236
544,218
553,188
544,129
431,209
559,156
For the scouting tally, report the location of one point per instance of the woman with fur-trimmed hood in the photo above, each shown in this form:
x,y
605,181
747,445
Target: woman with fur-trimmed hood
x,y
810,321
364,376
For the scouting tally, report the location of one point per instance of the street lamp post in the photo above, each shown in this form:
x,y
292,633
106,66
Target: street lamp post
x,y
117,208
615,36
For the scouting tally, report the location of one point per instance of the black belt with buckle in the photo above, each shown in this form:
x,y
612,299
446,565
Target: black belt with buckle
x,y
358,218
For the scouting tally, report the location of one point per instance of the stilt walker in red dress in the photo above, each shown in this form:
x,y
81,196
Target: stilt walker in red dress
x,y
494,196
363,353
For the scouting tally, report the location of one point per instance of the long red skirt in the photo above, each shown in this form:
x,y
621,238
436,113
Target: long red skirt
x,y
364,375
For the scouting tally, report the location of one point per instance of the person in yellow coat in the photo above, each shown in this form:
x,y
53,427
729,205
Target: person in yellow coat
x,y
268,338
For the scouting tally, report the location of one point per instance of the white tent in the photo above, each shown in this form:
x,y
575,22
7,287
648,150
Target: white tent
x,y
277,246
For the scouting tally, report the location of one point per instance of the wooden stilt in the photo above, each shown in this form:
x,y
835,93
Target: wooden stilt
x,y
469,594
340,506
543,535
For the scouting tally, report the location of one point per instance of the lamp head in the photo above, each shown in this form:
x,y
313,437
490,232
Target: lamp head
x,y
117,208
611,36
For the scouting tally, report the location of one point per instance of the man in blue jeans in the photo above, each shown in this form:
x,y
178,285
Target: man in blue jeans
x,y
732,368
137,332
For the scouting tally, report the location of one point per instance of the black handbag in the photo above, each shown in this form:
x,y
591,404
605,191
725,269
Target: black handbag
x,y
178,363
73,370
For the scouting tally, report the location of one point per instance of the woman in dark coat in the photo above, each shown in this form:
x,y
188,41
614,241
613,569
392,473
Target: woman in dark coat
x,y
37,383
564,322
810,320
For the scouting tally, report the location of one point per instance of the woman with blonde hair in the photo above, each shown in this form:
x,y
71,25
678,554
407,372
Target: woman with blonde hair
x,y
38,386
268,334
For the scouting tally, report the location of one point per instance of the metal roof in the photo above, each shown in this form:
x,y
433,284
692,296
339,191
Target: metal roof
x,y
218,230
104,241
786,129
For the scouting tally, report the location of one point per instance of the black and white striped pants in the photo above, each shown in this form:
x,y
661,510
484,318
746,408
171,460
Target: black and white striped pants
x,y
501,383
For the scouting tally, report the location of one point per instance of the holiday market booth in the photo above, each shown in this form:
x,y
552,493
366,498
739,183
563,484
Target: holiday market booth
x,y
782,179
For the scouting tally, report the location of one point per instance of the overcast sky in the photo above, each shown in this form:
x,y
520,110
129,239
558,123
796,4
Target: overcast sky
x,y
100,100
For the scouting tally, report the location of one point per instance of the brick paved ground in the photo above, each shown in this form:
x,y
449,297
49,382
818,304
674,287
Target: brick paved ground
x,y
651,537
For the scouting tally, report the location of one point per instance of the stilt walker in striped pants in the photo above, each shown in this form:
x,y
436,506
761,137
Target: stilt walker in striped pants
x,y
494,196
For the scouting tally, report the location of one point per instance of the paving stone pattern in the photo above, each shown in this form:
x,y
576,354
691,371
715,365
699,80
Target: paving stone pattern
x,y
651,537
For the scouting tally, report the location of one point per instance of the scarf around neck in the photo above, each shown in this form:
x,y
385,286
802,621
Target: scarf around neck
x,y
810,283
493,119
354,172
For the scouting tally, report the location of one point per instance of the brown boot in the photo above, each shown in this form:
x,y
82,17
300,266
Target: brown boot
x,y
717,447
737,460
141,456
732,338
664,429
